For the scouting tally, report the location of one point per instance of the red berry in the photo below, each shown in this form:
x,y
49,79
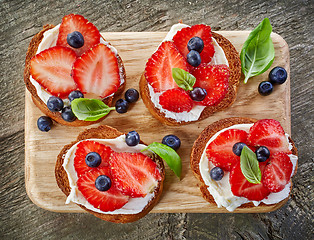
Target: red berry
x,y
176,100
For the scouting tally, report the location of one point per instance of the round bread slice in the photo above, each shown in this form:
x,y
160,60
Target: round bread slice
x,y
235,73
31,52
199,147
106,132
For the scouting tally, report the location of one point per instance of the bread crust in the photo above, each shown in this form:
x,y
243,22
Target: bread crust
x,y
199,147
234,80
31,52
106,132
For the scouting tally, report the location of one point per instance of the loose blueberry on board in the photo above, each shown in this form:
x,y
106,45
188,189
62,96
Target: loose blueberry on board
x,y
194,58
216,173
122,106
278,75
132,138
172,141
237,148
131,95
198,94
67,114
75,94
265,88
75,39
55,104
93,159
103,183
262,153
196,43
44,123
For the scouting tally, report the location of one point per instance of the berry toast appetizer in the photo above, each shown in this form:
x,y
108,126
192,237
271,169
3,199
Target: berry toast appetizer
x,y
106,174
242,163
193,73
68,61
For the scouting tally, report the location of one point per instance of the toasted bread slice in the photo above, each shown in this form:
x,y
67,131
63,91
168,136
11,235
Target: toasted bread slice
x,y
106,132
199,147
31,52
234,80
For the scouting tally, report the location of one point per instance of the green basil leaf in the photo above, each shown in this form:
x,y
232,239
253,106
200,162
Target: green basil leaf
x,y
169,155
258,53
249,166
184,79
89,109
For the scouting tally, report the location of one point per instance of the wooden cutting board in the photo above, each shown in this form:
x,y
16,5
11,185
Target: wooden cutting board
x,y
41,149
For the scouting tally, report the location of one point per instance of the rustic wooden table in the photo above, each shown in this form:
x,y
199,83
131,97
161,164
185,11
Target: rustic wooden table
x,y
20,20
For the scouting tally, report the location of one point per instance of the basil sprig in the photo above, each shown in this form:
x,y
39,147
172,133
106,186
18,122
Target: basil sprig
x,y
89,109
183,78
169,155
258,51
249,166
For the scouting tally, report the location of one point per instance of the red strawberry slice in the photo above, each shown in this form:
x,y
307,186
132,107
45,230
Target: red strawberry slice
x,y
158,71
73,22
277,172
135,174
104,200
219,151
269,133
204,32
51,68
85,147
243,188
215,80
176,100
97,71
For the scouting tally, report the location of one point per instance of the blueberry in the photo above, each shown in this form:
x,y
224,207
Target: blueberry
x,y
172,141
196,43
265,88
237,148
216,173
67,114
75,39
55,104
75,94
194,58
44,123
278,75
198,94
132,138
122,106
103,183
262,153
131,95
93,159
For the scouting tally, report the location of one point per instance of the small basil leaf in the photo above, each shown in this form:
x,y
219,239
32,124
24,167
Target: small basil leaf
x,y
169,155
184,79
89,109
258,51
249,166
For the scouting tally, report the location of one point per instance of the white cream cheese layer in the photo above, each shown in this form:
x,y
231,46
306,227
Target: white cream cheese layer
x,y
193,115
133,206
221,190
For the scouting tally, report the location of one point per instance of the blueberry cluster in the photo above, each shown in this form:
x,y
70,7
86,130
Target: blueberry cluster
x,y
195,47
262,152
277,75
131,95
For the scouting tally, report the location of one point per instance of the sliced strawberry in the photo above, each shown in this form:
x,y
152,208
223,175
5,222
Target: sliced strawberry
x,y
135,174
97,71
243,188
219,151
51,68
204,32
277,172
176,100
215,80
269,133
73,22
104,200
85,147
158,71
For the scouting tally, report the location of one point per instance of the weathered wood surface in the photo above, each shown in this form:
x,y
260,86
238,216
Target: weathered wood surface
x,y
20,20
